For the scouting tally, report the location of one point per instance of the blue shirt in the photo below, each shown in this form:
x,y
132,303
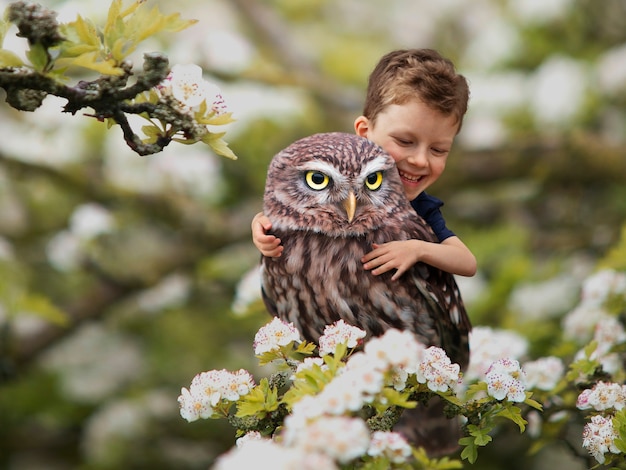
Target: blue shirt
x,y
428,207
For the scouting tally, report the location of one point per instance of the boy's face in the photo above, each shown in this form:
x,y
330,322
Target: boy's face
x,y
418,138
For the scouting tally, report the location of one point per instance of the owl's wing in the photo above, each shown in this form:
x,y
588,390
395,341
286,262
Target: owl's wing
x,y
442,294
267,289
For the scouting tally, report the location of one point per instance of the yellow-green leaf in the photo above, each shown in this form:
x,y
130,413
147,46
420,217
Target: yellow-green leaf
x,y
38,57
219,146
152,133
86,31
4,27
261,400
9,59
43,308
214,119
91,61
76,50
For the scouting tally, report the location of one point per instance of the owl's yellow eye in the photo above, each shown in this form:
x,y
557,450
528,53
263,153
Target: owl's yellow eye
x,y
316,180
374,180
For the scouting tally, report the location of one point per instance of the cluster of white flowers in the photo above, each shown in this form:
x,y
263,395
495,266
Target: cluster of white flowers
x,y
437,371
186,85
591,321
254,451
506,379
544,373
490,344
386,360
274,335
342,438
597,288
390,445
339,333
324,427
581,323
602,396
599,437
210,389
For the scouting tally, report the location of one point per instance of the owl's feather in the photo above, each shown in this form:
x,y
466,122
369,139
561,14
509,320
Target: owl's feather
x,y
320,279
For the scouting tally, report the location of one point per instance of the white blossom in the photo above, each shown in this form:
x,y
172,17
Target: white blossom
x,y
90,220
391,445
249,437
395,348
488,345
506,379
598,287
599,437
340,437
186,85
437,371
579,324
193,407
275,334
544,373
602,396
339,333
209,389
264,451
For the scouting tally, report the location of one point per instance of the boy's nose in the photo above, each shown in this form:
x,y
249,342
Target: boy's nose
x,y
418,158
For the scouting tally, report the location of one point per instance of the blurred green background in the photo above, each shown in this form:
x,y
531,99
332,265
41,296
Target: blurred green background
x,y
121,276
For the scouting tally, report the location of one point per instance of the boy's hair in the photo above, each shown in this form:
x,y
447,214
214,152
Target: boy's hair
x,y
422,74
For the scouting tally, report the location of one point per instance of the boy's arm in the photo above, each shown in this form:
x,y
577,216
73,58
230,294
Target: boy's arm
x,y
268,245
451,256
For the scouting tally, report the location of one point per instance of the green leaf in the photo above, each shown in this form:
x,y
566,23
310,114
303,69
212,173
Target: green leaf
x,y
308,381
513,413
124,30
218,145
213,119
470,452
152,133
42,307
306,348
38,57
81,37
532,403
619,426
261,400
9,59
397,398
4,27
476,388
92,61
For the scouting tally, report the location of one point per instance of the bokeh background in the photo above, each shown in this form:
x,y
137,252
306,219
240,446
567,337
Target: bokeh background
x,y
121,276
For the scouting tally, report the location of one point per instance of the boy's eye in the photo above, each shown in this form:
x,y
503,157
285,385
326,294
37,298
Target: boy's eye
x,y
316,180
373,181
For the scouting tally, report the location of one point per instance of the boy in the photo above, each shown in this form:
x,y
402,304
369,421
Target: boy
x,y
414,109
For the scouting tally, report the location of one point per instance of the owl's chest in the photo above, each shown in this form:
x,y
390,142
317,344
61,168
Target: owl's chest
x,y
312,254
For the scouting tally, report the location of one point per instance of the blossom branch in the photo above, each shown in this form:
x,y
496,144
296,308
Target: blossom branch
x,y
174,112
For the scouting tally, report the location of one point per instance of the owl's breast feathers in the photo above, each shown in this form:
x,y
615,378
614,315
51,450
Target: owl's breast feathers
x,y
319,280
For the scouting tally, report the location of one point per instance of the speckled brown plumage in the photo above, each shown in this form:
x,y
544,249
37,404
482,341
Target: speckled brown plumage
x,y
320,279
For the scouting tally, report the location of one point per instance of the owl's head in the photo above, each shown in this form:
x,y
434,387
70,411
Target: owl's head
x,y
335,183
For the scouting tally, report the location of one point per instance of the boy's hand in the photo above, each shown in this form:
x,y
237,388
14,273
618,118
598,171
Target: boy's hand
x,y
398,255
268,245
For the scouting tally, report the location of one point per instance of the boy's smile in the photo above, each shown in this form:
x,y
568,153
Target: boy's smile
x,y
418,138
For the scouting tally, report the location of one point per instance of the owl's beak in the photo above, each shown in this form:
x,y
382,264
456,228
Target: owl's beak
x,y
350,206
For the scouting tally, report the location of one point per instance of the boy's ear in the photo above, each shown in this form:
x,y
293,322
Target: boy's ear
x,y
361,126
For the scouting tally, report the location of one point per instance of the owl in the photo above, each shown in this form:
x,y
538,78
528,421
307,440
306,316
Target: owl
x,y
330,197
